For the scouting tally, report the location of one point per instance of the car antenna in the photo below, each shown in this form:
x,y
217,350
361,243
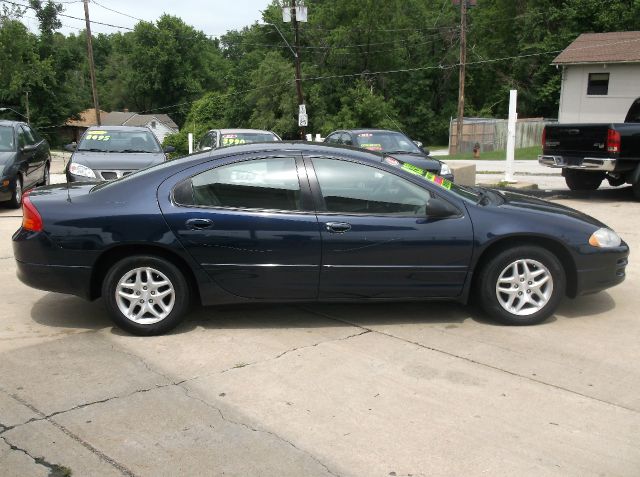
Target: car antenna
x,y
394,122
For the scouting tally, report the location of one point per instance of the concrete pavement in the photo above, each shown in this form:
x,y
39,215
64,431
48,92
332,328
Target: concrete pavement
x,y
355,390
383,389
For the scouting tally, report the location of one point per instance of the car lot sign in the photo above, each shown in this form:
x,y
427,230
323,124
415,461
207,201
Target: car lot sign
x,y
303,119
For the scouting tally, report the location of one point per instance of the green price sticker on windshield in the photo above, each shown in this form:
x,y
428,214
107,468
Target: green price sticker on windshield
x,y
232,141
430,176
97,136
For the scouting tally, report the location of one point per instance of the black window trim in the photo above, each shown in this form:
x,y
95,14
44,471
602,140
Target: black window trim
x,y
305,194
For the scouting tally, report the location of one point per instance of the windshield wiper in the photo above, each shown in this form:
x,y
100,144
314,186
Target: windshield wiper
x,y
92,150
133,150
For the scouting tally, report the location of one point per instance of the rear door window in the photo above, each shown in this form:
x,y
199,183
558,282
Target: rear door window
x,y
270,183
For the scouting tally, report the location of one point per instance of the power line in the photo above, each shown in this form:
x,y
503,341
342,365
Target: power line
x,y
68,16
118,12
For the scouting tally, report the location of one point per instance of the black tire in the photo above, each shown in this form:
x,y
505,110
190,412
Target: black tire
x,y
636,189
46,178
161,269
581,180
530,313
16,196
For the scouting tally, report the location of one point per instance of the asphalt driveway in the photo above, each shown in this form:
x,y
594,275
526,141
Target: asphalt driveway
x,y
359,390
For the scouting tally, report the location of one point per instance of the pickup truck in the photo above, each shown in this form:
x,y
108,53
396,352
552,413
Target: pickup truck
x,y
590,153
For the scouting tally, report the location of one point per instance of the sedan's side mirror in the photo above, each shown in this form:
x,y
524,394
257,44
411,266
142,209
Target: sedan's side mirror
x,y
71,147
440,209
169,149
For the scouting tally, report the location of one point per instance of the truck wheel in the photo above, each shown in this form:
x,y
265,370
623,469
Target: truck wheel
x,y
581,180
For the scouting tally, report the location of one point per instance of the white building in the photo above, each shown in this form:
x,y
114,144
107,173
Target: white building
x,y
600,77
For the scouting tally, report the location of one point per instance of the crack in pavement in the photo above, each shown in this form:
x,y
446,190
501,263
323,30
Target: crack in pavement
x,y
55,470
101,455
470,360
291,350
124,470
253,429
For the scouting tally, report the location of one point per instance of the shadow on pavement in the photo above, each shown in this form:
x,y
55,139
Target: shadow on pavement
x,y
587,305
63,311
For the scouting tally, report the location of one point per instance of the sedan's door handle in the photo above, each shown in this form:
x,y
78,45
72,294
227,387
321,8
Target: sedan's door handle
x,y
199,224
338,227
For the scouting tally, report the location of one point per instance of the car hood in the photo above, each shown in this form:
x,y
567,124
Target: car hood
x,y
533,204
6,157
117,161
423,162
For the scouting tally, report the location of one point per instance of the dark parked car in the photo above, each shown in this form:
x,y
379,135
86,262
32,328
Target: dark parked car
x,y
25,161
216,138
110,152
303,222
395,144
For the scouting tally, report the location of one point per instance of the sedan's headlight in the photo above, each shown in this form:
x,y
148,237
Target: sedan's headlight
x,y
80,170
604,238
445,170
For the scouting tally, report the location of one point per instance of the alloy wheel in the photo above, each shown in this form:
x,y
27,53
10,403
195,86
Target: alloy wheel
x,y
524,287
145,295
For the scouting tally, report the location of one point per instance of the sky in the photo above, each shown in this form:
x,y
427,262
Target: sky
x,y
213,17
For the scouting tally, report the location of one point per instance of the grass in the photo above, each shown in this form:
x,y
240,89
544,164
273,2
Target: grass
x,y
526,153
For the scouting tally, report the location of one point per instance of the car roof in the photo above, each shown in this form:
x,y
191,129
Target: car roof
x,y
240,130
119,128
292,147
8,122
365,130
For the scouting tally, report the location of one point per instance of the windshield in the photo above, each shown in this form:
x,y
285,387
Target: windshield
x,y
119,141
7,142
231,139
386,141
469,193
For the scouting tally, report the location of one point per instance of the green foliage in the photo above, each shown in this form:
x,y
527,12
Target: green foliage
x,y
365,63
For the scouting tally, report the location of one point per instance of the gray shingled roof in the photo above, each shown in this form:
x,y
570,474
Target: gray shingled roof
x,y
614,47
119,118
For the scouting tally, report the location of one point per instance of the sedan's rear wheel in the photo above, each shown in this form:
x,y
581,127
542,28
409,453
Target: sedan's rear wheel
x,y
522,285
146,295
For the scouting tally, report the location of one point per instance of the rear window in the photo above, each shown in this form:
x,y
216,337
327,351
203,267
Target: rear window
x,y
104,140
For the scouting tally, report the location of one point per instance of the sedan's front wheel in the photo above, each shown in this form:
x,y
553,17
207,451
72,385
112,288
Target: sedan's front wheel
x,y
522,285
146,295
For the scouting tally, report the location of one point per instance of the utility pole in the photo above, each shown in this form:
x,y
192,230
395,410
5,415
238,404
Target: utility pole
x,y
27,93
463,60
92,68
294,17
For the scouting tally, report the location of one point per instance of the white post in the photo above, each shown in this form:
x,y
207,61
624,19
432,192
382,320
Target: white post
x,y
190,143
511,136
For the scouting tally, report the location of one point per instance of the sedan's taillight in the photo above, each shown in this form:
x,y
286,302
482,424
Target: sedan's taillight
x,y
613,141
31,219
544,137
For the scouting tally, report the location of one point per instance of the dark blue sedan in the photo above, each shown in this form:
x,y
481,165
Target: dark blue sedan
x,y
304,222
